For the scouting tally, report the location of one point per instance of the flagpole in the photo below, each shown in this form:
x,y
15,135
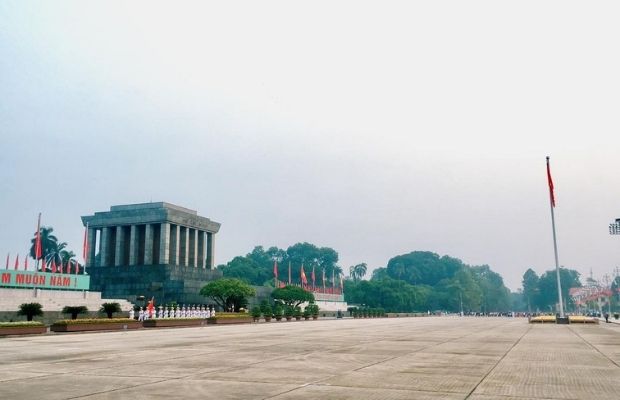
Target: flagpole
x,y
555,243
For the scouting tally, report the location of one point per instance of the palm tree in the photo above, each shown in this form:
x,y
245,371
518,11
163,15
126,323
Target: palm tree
x,y
30,310
358,271
110,308
74,310
361,270
51,249
66,255
353,273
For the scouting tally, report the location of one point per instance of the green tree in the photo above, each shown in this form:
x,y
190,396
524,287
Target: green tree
x,y
110,308
30,310
51,248
379,273
548,288
228,292
74,310
292,296
530,288
311,256
358,271
495,296
392,294
423,267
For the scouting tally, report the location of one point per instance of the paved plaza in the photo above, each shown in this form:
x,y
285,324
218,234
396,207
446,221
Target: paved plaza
x,y
407,358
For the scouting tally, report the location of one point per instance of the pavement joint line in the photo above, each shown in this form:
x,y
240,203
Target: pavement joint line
x,y
116,389
593,347
529,328
397,389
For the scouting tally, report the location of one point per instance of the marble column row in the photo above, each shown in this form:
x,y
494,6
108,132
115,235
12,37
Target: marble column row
x,y
149,244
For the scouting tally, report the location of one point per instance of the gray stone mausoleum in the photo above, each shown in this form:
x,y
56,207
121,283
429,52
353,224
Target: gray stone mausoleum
x,y
153,249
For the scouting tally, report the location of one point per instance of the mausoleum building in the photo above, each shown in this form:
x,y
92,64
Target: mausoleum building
x,y
153,249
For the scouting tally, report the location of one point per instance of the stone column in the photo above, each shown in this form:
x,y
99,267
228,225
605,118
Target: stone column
x,y
120,247
210,250
164,243
133,245
184,247
148,244
92,251
193,248
104,249
175,237
202,249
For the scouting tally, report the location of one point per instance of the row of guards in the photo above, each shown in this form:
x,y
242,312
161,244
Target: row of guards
x,y
304,281
49,262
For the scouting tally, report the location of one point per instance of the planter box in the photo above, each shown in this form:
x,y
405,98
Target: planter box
x,y
96,327
23,330
164,323
237,320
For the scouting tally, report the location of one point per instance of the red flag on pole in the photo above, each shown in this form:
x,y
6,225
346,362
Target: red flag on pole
x,y
26,263
61,269
77,267
304,280
313,277
551,195
17,262
43,266
7,260
54,265
85,245
38,251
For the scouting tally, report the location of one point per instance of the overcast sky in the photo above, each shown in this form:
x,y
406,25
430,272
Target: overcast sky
x,y
375,128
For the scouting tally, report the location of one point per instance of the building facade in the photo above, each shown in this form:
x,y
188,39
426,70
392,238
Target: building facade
x,y
153,250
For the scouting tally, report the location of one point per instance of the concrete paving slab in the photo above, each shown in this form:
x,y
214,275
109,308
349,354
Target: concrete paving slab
x,y
190,389
412,358
325,392
54,387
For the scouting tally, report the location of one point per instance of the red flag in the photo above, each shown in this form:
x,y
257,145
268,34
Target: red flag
x,y
26,263
60,266
77,267
37,245
313,277
54,265
304,280
551,196
17,262
275,269
85,245
7,260
43,266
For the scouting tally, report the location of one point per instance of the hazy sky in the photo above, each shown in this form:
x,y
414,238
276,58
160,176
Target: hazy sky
x,y
376,128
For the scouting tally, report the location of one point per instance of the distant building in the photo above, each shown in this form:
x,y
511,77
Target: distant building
x,y
153,250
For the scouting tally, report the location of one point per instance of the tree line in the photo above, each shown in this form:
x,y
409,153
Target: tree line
x,y
418,281
424,281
